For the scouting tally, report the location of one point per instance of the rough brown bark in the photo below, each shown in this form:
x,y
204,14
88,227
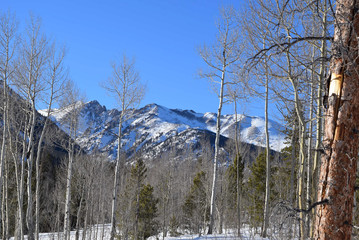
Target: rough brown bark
x,y
338,168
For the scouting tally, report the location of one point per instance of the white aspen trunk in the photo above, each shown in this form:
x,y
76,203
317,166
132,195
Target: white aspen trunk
x,y
239,183
292,177
84,230
68,194
73,129
3,144
31,150
5,77
77,234
6,200
116,183
301,145
38,177
2,156
92,215
309,154
267,193
102,203
20,175
216,147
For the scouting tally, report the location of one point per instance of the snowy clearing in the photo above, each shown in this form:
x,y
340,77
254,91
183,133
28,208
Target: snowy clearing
x,y
98,232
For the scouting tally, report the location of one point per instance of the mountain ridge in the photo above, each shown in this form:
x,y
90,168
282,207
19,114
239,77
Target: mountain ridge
x,y
155,129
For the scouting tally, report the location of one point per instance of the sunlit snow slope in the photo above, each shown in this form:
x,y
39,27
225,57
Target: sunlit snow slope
x,y
154,127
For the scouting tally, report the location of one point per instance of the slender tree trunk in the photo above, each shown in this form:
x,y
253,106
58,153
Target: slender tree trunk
x,y
19,174
68,190
299,113
2,156
78,215
88,200
292,175
337,177
38,176
216,147
31,151
6,200
137,214
3,207
3,161
239,181
116,183
5,76
267,193
309,153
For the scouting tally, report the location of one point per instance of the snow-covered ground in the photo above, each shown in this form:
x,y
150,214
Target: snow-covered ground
x,y
97,232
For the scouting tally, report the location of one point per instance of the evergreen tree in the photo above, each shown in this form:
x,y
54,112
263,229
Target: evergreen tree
x,y
282,176
232,181
139,205
173,227
148,226
195,207
256,190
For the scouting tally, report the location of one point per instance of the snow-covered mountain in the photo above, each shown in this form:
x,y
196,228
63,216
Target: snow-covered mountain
x,y
155,129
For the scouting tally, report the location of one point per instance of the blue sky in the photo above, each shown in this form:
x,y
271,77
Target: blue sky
x,y
162,35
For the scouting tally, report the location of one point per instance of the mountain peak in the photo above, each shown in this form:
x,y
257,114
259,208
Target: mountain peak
x,y
154,128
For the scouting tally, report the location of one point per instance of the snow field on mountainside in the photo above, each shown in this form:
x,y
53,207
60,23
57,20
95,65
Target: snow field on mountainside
x,y
153,125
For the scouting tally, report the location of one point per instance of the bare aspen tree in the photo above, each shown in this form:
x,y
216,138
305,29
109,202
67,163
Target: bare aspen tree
x,y
8,43
219,59
259,37
74,107
238,92
268,163
54,82
33,58
125,85
234,96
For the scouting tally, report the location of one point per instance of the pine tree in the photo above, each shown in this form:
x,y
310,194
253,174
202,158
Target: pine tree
x,y
173,227
232,181
139,205
282,176
256,190
195,208
148,226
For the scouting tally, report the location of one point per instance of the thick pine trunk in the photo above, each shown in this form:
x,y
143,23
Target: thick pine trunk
x,y
341,139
